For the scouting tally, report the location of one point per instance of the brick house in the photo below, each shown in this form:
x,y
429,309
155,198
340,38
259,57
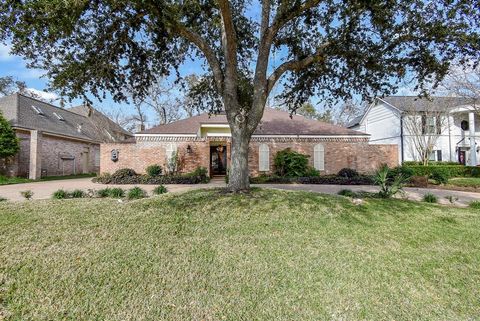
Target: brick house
x,y
56,141
204,140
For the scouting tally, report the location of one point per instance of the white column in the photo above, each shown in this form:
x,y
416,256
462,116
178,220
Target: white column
x,y
35,154
473,148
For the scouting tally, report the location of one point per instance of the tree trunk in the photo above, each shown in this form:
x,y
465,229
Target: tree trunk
x,y
238,175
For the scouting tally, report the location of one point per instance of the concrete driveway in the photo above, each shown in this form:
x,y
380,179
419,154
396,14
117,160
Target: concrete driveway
x,y
44,190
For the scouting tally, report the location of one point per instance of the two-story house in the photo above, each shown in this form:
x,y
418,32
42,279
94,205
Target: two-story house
x,y
453,123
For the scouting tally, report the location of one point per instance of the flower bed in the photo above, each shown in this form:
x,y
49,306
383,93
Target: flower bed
x,y
128,176
325,179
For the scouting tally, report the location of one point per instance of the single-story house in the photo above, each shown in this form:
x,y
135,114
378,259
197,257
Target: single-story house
x,y
451,123
56,141
205,140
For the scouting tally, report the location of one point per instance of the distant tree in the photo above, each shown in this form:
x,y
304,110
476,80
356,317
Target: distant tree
x,y
9,143
334,49
326,116
465,83
308,110
8,85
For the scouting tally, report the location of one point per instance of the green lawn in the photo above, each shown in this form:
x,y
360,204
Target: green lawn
x,y
19,180
271,255
465,182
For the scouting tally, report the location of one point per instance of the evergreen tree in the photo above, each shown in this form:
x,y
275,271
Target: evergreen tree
x,y
9,144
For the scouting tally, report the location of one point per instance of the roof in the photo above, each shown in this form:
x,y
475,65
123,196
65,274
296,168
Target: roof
x,y
355,121
105,126
274,122
29,113
414,103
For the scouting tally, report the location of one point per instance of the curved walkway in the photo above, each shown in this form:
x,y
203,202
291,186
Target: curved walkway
x,y
44,190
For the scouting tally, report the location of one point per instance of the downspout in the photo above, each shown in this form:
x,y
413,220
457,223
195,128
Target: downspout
x,y
401,139
449,138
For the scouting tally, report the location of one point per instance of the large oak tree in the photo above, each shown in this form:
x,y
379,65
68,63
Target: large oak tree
x,y
333,48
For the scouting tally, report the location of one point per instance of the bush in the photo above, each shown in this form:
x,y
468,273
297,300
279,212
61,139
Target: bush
x,y
60,194
123,176
388,186
405,171
154,170
348,173
104,192
347,193
136,193
116,192
78,193
324,179
289,163
200,175
160,190
448,170
475,205
27,194
440,177
418,181
3,199
104,178
430,198
312,172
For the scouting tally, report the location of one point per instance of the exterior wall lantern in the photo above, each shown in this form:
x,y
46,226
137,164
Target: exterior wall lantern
x,y
189,149
114,155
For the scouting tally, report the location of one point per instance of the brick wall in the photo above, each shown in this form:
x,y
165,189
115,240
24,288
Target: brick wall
x,y
357,154
52,150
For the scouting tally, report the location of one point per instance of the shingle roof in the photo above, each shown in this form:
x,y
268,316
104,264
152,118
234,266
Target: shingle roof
x,y
274,122
414,103
355,121
21,111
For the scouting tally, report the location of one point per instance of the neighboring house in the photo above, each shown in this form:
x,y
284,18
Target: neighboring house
x,y
451,119
56,141
205,140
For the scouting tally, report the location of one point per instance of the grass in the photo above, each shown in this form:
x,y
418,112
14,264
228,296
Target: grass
x,y
465,181
268,255
20,180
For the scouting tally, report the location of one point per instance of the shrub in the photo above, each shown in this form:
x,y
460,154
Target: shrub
x,y
440,177
201,173
290,163
347,193
388,186
449,170
136,193
430,198
405,171
347,172
104,192
116,192
27,194
2,199
419,181
154,170
475,205
324,179
312,172
59,194
104,178
160,190
78,193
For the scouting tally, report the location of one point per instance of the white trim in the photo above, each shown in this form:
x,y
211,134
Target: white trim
x,y
215,125
219,134
57,135
312,136
165,135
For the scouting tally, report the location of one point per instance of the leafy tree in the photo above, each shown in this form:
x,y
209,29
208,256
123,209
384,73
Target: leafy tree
x,y
335,49
8,85
9,143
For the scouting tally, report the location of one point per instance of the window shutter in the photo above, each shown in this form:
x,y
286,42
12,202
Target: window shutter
x,y
424,124
439,155
263,158
319,157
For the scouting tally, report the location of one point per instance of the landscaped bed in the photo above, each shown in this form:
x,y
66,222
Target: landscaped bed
x,y
20,180
268,255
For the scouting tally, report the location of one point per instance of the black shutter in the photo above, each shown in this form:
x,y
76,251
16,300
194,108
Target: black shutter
x,y
439,155
424,124
438,125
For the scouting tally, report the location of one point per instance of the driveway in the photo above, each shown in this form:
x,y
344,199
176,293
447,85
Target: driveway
x,y
44,190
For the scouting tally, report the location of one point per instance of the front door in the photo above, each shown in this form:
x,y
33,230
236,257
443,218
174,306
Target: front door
x,y
218,160
462,157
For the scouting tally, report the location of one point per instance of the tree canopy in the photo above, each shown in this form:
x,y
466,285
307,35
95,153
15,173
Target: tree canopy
x,y
9,144
336,49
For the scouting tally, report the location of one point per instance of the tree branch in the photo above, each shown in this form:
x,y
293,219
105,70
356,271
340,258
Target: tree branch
x,y
229,38
287,15
210,55
295,65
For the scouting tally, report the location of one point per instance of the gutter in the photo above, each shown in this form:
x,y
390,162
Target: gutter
x,y
402,154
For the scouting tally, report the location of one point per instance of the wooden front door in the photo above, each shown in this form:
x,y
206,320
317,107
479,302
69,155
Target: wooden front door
x,y
218,160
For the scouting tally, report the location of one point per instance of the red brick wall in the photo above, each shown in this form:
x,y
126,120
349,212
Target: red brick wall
x,y
338,154
52,149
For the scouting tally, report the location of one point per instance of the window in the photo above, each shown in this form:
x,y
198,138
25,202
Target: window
x,y
319,157
38,110
431,125
436,155
169,150
58,116
97,158
264,158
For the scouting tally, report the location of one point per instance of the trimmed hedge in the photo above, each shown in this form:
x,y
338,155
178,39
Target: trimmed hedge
x,y
445,170
119,177
325,179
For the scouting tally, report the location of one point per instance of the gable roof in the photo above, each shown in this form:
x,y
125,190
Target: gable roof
x,y
274,122
29,113
106,128
414,103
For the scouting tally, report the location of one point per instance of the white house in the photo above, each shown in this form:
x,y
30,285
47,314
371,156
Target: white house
x,y
386,120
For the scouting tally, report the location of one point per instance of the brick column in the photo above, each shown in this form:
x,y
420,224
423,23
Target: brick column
x,y
35,171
